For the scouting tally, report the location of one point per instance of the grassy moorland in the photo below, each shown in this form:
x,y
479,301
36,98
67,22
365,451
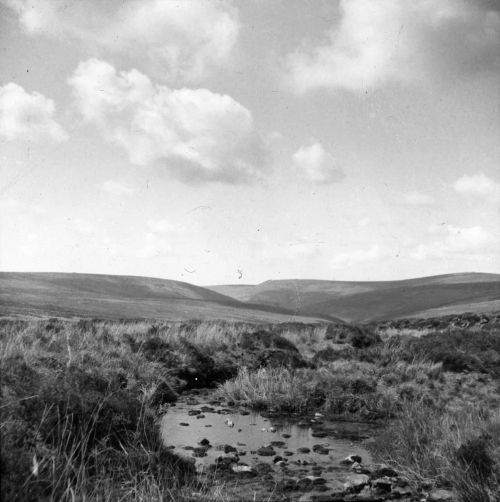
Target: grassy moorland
x,y
357,301
80,400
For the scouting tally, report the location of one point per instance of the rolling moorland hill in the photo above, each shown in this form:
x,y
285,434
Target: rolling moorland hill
x,y
378,300
124,297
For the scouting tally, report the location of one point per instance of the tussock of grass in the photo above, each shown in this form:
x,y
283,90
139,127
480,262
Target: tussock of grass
x,y
455,448
347,389
279,388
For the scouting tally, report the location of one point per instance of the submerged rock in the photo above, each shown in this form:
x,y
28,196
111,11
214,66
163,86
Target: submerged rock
x,y
319,434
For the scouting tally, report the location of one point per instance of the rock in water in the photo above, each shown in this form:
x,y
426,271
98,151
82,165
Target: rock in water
x,y
356,482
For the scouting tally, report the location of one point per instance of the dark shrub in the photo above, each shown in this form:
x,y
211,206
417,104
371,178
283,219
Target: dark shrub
x,y
362,338
163,394
277,358
475,458
265,339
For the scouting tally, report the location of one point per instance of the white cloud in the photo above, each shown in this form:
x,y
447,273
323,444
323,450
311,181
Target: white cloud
x,y
178,40
402,41
344,260
453,240
317,164
477,185
116,188
197,134
417,199
27,116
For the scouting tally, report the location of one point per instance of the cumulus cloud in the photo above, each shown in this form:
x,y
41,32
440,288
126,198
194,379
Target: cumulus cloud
x,y
417,199
26,115
399,41
343,260
116,188
316,164
477,185
452,241
198,134
178,40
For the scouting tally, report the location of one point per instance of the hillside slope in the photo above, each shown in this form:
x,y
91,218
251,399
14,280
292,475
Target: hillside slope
x,y
364,301
108,296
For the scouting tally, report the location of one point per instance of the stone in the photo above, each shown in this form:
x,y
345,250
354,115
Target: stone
x,y
383,484
204,442
303,449
356,482
286,436
351,459
244,470
184,424
288,453
278,444
199,452
440,495
304,483
319,434
266,451
316,480
192,413
229,449
401,491
200,416
244,412
381,470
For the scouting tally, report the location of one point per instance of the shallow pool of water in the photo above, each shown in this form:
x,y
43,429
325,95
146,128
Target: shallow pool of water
x,y
253,431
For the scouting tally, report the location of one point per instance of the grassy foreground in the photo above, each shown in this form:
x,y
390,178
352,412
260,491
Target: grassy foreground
x,y
80,400
441,392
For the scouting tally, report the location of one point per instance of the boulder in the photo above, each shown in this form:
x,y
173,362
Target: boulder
x,y
441,495
351,459
356,482
245,470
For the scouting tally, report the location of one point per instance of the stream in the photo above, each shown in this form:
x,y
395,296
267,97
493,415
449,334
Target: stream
x,y
285,449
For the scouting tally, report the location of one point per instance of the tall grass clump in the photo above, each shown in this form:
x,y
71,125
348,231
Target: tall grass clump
x,y
279,388
458,449
77,418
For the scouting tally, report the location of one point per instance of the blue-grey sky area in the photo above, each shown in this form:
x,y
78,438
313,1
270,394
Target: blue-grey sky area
x,y
349,140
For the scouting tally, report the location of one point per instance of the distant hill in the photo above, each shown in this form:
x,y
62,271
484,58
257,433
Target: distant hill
x,y
128,297
367,301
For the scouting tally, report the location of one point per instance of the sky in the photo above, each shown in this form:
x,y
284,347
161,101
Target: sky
x,y
234,142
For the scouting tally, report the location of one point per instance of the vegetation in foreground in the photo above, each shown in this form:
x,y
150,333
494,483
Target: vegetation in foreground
x,y
80,400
